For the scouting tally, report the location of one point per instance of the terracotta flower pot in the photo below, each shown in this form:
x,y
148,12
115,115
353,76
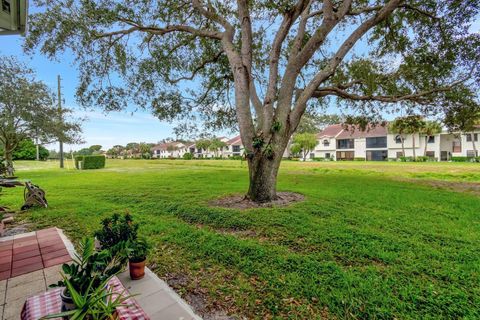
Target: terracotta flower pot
x,y
137,269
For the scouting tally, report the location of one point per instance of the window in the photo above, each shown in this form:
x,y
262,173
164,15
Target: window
x,y
377,155
327,155
398,139
312,155
192,150
236,149
431,139
469,137
471,154
430,154
345,155
399,154
377,142
345,144
326,142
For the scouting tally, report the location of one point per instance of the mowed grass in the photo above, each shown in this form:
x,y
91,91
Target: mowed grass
x,y
370,241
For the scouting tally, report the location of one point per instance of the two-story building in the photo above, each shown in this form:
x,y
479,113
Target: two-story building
x,y
341,142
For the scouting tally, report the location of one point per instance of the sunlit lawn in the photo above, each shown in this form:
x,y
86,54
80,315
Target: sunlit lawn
x,y
371,240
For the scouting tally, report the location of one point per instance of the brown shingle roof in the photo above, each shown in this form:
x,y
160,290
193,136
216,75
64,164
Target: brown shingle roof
x,y
234,140
330,131
353,132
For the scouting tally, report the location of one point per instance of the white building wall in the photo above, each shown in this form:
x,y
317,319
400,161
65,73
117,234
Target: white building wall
x,y
360,145
321,150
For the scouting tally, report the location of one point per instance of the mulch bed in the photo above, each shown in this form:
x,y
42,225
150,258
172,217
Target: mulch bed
x,y
240,202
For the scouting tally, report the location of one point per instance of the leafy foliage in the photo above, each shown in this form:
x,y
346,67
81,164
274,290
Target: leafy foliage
x,y
304,143
27,150
90,268
138,249
115,229
90,162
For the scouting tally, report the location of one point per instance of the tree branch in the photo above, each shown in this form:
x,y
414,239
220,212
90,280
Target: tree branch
x,y
329,70
201,66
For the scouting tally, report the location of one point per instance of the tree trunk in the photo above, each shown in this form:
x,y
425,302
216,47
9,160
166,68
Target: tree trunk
x,y
426,142
8,153
473,145
263,170
403,146
413,145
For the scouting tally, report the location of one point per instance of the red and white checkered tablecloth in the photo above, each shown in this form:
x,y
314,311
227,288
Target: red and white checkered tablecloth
x,y
50,302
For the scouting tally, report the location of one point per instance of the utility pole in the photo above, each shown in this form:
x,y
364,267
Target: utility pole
x,y
61,119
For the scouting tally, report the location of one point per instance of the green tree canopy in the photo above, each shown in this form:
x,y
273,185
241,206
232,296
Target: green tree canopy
x,y
259,64
27,110
27,150
304,143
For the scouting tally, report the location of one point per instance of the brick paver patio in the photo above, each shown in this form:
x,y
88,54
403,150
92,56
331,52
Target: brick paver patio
x,y
31,251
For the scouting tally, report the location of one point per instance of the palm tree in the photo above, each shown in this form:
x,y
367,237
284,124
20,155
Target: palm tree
x,y
398,126
430,128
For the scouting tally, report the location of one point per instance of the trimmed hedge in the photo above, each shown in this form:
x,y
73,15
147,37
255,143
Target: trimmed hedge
x,y
90,162
465,159
359,159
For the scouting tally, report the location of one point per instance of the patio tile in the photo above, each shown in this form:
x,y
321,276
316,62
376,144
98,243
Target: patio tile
x,y
25,262
5,266
155,302
57,260
27,269
20,280
5,275
6,248
25,290
13,309
27,254
24,235
6,243
55,247
172,312
25,239
25,249
6,258
3,286
54,254
50,243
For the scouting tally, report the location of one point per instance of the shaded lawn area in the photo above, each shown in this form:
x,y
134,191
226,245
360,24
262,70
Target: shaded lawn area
x,y
362,244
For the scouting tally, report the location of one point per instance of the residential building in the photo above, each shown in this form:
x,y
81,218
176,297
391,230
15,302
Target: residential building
x,y
174,149
375,143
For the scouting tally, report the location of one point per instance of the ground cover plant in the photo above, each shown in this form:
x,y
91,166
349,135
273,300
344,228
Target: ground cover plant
x,y
370,240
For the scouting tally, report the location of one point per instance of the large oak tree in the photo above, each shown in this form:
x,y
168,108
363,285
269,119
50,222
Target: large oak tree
x,y
188,59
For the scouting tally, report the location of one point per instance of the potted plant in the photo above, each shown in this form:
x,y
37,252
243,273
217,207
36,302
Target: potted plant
x,y
138,251
116,231
87,272
97,303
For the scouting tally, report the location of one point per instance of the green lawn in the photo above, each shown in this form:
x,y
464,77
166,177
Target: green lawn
x,y
371,240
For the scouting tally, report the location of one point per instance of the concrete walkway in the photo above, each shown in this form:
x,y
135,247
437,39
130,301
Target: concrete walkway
x,y
156,298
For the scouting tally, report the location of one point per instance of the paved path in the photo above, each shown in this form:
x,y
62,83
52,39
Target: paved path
x,y
30,262
28,252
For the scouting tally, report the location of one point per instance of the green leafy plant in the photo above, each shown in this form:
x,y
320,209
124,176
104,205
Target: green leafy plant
x,y
97,302
188,156
138,250
89,268
116,229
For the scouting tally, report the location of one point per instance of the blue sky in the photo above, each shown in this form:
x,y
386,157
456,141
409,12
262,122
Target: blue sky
x,y
100,128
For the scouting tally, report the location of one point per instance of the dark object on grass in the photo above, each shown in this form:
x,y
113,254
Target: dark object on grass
x,y
33,195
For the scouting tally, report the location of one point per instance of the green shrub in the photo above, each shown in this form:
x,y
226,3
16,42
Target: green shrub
x,y
236,158
422,159
460,159
188,156
90,162
318,159
359,159
406,159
